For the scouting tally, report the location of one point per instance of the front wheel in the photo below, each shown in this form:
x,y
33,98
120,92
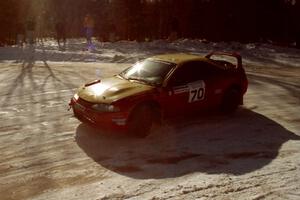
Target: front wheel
x,y
141,121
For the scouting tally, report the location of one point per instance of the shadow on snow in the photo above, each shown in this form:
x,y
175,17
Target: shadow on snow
x,y
238,144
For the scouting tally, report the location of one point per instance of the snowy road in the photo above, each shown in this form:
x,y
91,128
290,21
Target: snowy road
x,y
47,154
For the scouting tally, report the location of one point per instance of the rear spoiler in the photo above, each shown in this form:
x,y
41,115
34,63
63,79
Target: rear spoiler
x,y
233,54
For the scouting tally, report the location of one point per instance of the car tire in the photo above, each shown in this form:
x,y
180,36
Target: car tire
x,y
231,101
141,121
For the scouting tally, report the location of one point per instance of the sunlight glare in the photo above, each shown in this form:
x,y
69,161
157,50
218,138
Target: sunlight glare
x,y
137,68
99,89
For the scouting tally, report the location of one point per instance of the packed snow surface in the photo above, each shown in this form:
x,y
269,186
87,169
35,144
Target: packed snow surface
x,y
48,154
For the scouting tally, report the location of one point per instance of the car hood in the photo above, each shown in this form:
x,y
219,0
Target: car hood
x,y
110,90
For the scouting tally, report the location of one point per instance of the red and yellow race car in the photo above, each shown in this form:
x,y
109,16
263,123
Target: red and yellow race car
x,y
160,87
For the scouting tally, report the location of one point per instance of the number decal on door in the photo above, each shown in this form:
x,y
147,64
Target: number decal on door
x,y
197,91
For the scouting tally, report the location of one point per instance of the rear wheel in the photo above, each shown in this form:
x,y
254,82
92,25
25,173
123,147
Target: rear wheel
x,y
231,100
141,121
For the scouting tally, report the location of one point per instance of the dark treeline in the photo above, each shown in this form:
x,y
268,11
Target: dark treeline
x,y
215,20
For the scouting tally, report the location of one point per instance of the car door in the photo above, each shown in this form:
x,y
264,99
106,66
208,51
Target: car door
x,y
199,86
186,90
194,86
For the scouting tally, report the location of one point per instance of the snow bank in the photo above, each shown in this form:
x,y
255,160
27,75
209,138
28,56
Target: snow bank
x,y
130,51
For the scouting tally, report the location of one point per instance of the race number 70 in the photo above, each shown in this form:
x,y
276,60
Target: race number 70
x,y
197,91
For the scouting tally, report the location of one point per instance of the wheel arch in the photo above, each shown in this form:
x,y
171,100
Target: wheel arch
x,y
154,105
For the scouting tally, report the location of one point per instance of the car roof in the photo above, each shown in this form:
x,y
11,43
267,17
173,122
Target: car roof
x,y
178,58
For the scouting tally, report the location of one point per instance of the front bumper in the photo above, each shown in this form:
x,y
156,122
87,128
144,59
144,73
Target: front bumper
x,y
104,120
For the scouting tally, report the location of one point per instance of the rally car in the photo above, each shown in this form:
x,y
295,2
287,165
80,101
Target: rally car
x,y
160,87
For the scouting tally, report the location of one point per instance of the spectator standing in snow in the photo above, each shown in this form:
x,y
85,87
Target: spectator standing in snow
x,y
88,26
61,33
20,34
112,33
174,29
30,28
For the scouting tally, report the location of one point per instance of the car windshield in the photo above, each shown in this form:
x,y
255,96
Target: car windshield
x,y
148,71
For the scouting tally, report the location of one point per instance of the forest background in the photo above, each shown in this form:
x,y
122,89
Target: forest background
x,y
144,20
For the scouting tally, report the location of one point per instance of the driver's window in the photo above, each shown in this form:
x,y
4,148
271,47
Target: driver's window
x,y
185,74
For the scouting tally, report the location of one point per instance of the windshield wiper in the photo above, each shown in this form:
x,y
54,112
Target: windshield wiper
x,y
121,76
140,80
136,79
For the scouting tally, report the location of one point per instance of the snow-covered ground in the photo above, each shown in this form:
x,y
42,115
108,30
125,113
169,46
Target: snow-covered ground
x,y
47,154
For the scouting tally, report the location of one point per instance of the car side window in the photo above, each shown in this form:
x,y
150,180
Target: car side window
x,y
193,71
182,76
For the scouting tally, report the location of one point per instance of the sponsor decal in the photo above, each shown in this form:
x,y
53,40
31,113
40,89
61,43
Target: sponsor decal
x,y
119,121
218,91
180,89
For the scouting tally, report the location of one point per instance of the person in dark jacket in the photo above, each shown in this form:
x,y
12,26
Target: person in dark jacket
x,y
20,29
88,25
30,28
61,33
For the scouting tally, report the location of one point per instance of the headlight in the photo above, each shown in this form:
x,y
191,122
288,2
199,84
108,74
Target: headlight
x,y
105,108
76,97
